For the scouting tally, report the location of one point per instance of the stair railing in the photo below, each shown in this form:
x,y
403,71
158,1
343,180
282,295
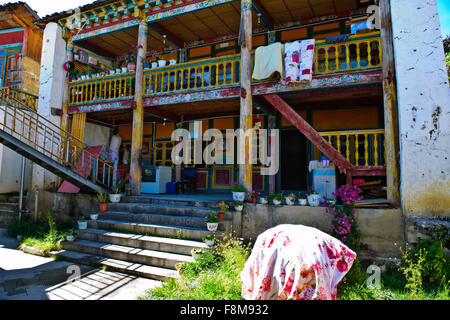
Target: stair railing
x,y
18,98
47,138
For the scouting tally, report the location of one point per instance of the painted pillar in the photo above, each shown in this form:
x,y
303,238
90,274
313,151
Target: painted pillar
x,y
423,96
51,92
246,113
138,113
390,105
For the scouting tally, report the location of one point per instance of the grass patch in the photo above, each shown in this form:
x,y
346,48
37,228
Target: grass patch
x,y
45,235
215,276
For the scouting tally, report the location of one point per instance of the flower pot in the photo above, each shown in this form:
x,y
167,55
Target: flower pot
x,y
124,69
112,72
162,63
289,202
172,62
118,70
239,196
115,198
212,226
314,200
239,208
82,225
154,65
103,207
209,243
221,216
255,200
302,202
70,238
131,66
83,77
276,202
331,202
263,200
94,216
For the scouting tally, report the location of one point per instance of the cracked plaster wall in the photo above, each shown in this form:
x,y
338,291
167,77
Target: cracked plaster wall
x,y
423,108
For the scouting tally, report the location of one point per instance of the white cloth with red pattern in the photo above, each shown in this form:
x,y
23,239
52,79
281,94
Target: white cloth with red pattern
x,y
299,61
295,262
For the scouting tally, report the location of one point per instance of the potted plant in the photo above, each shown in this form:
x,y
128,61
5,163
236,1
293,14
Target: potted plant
x,y
263,200
314,199
277,199
172,62
70,235
94,215
82,223
103,199
238,192
239,205
223,208
290,200
209,240
197,253
254,196
161,61
117,189
330,201
212,222
302,200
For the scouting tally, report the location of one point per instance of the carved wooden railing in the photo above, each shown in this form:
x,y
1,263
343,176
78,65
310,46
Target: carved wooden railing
x,y
359,52
360,147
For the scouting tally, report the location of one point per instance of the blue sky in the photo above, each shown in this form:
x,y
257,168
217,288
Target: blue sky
x,y
444,16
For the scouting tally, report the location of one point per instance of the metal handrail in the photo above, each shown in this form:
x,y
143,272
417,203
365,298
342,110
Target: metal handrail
x,y
61,146
18,98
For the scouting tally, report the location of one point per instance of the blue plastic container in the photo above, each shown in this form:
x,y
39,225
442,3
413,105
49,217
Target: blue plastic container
x,y
171,188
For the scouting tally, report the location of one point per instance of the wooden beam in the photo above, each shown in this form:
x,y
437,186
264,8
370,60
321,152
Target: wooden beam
x,y
265,16
390,105
162,114
138,113
246,118
170,36
310,133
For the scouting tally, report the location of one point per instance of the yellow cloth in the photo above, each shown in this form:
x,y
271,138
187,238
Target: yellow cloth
x,y
268,61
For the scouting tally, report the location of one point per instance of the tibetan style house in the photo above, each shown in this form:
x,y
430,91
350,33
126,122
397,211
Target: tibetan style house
x,y
193,60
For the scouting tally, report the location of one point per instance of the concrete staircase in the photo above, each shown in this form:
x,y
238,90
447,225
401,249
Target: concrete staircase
x,y
9,208
144,237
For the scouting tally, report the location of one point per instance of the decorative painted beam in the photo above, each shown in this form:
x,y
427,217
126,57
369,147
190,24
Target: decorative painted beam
x,y
310,133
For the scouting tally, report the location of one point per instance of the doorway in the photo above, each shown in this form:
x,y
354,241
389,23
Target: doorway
x,y
294,159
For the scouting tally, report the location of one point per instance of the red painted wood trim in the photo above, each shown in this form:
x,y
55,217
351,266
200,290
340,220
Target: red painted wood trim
x,y
373,171
311,134
99,107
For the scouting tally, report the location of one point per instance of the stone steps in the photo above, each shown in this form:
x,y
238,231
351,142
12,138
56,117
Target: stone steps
x,y
196,234
143,238
142,256
163,209
179,200
136,269
169,245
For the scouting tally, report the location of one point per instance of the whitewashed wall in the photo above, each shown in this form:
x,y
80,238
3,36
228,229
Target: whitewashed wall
x,y
423,108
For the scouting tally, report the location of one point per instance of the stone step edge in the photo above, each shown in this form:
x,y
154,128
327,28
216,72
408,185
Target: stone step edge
x,y
114,248
157,205
164,231
145,238
136,269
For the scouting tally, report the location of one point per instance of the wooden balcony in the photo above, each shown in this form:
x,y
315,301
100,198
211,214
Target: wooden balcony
x,y
358,54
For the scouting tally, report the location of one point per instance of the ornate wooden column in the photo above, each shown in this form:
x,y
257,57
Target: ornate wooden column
x,y
390,104
246,110
138,113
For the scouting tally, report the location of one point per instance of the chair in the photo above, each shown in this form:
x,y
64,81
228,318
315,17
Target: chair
x,y
188,179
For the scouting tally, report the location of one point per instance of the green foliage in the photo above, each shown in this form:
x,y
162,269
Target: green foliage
x,y
215,276
435,264
412,267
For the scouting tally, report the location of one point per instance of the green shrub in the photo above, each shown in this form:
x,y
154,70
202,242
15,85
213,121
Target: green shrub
x,y
215,276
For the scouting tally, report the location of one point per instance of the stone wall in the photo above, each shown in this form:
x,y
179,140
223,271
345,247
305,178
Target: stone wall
x,y
382,229
63,206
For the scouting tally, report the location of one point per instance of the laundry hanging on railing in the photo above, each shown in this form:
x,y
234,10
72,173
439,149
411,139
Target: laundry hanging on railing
x,y
269,62
299,61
